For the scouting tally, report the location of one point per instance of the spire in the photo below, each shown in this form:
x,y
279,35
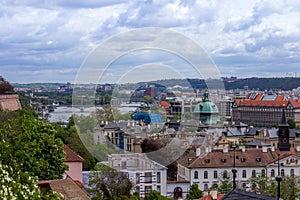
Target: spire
x,y
283,117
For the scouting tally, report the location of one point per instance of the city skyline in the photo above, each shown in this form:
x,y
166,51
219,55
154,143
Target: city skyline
x,y
48,41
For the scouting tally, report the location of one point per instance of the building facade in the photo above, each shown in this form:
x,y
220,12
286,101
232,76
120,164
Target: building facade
x,y
146,174
210,167
262,109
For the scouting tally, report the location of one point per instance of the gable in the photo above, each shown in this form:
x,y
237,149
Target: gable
x,y
290,160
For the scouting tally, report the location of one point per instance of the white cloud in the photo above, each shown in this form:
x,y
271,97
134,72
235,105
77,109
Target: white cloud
x,y
46,34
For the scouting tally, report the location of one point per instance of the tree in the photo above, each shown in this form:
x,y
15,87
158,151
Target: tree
x,y
107,183
149,145
154,195
194,193
20,185
292,123
289,186
226,184
105,114
5,86
29,145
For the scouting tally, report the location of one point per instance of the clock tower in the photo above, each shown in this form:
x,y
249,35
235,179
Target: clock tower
x,y
284,134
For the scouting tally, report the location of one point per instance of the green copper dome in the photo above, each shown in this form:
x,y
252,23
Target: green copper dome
x,y
206,106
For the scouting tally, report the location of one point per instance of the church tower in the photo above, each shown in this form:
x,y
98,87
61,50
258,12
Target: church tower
x,y
284,134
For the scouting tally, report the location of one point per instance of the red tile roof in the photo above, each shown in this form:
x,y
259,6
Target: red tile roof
x,y
71,156
252,157
66,187
9,102
279,101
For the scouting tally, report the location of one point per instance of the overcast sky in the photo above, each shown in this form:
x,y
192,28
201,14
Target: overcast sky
x,y
47,41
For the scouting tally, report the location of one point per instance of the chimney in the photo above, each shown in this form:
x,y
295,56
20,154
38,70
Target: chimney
x,y
264,149
243,148
225,149
198,152
206,150
214,194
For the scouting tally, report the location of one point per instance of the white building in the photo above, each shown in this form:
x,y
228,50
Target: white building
x,y
206,168
146,174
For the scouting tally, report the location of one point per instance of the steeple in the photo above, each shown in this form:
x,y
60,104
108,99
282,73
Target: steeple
x,y
284,134
283,118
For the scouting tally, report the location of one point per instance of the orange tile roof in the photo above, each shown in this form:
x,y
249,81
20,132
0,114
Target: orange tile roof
x,y
71,156
279,101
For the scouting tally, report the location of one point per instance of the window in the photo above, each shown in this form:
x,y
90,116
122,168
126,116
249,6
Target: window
x,y
137,177
205,175
282,172
263,172
272,173
158,188
158,177
244,185
244,174
253,173
225,174
148,189
148,177
215,174
205,186
292,172
195,175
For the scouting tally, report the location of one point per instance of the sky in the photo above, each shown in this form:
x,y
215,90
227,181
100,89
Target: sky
x,y
51,41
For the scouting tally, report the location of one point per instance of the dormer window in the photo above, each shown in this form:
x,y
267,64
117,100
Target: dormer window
x,y
223,160
243,159
258,159
207,160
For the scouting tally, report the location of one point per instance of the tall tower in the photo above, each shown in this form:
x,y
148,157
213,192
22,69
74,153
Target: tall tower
x,y
284,134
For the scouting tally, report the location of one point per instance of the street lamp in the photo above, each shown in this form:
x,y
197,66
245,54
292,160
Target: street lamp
x,y
278,179
234,170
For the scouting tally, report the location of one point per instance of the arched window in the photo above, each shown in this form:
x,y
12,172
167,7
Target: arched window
x,y
205,186
205,175
196,175
282,172
215,174
263,172
292,173
272,173
244,174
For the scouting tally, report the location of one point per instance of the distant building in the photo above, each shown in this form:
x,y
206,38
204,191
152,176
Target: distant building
x,y
206,111
206,168
263,109
146,174
74,163
9,102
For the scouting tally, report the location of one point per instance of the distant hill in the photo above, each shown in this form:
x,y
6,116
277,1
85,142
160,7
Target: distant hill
x,y
287,83
252,83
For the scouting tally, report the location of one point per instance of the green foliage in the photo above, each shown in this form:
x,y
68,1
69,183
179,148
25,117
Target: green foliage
x,y
17,185
289,186
107,183
29,145
226,183
292,123
194,193
105,114
154,195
